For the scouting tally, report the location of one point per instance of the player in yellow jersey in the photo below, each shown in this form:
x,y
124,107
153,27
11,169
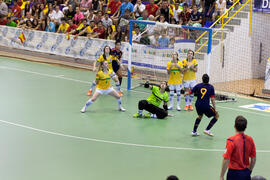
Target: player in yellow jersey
x,y
106,56
103,79
189,77
174,69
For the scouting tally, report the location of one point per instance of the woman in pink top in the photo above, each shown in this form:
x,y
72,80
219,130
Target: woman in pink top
x,y
78,16
85,4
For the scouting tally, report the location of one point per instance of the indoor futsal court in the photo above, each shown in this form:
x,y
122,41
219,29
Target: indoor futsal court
x,y
44,136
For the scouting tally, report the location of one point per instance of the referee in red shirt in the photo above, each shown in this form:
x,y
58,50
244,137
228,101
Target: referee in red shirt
x,y
240,153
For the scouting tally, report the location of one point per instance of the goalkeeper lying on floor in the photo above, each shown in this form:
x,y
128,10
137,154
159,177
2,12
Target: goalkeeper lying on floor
x,y
152,103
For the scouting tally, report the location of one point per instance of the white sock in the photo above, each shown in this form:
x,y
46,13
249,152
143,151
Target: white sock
x,y
88,103
171,98
153,116
117,86
140,112
191,99
178,98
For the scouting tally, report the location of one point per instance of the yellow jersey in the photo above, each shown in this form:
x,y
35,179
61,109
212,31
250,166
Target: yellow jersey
x,y
108,59
175,75
63,28
189,75
104,79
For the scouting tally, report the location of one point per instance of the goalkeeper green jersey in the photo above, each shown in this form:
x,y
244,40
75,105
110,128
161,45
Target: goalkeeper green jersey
x,y
157,97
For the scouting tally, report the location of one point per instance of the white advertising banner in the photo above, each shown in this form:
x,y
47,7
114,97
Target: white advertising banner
x,y
267,76
89,49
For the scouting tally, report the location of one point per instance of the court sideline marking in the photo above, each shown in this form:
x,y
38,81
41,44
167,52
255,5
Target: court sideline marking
x,y
86,82
100,140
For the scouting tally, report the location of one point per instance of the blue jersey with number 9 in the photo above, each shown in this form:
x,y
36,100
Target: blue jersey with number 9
x,y
203,92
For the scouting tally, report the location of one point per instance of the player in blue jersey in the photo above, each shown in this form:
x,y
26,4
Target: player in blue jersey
x,y
116,63
204,92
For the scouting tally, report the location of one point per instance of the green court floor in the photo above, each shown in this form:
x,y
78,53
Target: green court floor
x,y
43,135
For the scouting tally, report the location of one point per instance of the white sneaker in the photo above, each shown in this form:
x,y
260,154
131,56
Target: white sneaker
x,y
121,109
208,133
83,109
170,108
178,108
194,133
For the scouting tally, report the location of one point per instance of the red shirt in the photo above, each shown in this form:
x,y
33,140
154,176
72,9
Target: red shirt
x,y
114,6
70,28
101,31
16,10
151,9
240,148
3,21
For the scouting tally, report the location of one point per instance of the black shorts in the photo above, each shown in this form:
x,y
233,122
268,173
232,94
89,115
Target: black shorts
x,y
145,105
115,66
209,111
238,174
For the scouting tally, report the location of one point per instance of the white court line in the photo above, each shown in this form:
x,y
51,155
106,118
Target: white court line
x,y
116,142
86,82
105,141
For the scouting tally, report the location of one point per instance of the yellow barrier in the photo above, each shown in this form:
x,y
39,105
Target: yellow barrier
x,y
222,26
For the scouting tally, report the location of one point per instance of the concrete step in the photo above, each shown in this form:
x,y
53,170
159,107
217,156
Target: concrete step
x,y
230,27
233,21
200,56
240,14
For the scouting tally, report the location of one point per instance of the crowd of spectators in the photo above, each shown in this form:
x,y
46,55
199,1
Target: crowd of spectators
x,y
109,19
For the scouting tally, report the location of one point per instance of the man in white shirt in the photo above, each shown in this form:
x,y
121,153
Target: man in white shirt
x,y
176,12
137,36
57,15
3,8
106,21
138,8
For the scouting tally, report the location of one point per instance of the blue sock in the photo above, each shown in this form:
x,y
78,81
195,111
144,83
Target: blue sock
x,y
211,124
119,103
187,100
197,122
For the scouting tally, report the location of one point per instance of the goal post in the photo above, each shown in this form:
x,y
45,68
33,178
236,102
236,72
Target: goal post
x,y
160,55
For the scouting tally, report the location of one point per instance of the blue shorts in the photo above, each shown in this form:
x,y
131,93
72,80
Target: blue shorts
x,y
115,66
238,174
209,111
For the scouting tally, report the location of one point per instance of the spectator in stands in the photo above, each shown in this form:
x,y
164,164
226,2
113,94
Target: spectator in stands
x,y
70,13
209,9
57,15
3,20
152,8
126,5
154,40
35,24
28,17
185,15
83,29
113,7
16,10
172,42
10,22
220,8
28,24
258,178
63,26
176,11
98,17
124,20
172,178
164,41
117,34
240,153
137,36
145,18
106,21
195,17
109,33
3,8
78,16
90,16
86,4
50,26
99,31
138,9
72,27
95,5
172,31
164,10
